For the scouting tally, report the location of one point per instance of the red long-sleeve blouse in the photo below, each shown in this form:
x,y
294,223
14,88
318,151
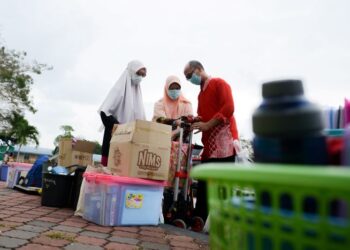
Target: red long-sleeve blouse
x,y
216,101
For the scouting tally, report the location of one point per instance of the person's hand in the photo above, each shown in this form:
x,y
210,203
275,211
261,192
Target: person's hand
x,y
237,146
177,123
200,126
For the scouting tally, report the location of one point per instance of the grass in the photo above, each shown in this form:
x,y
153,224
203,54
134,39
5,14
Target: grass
x,y
60,236
7,226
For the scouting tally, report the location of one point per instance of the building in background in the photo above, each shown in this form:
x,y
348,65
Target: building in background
x,y
96,159
29,154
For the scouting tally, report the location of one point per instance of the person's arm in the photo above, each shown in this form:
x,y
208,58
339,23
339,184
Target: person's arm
x,y
224,96
158,111
108,119
234,130
205,126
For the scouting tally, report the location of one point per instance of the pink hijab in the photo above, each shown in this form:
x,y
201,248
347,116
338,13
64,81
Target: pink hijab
x,y
174,108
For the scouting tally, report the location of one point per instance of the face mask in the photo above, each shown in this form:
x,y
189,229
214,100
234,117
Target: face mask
x,y
195,79
135,79
174,93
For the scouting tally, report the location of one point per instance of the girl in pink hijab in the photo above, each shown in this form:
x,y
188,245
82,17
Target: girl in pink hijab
x,y
173,104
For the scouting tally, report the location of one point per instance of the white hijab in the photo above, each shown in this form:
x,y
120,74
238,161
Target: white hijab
x,y
124,101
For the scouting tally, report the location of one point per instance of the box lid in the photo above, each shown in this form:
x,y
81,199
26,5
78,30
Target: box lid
x,y
84,146
19,165
143,132
77,145
104,178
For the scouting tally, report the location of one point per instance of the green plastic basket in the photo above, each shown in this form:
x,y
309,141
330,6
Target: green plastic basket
x,y
268,206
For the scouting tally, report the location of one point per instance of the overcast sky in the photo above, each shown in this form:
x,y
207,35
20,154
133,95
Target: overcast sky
x,y
89,44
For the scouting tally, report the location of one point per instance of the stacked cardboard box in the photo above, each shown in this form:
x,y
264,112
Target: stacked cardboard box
x,y
141,149
75,152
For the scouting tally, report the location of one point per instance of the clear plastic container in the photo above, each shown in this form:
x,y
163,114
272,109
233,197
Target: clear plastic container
x,y
93,200
14,172
116,201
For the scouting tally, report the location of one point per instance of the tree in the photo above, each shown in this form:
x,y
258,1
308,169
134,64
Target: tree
x,y
15,84
98,148
21,131
67,133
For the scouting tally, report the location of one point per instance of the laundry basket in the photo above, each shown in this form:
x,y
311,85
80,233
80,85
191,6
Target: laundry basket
x,y
270,206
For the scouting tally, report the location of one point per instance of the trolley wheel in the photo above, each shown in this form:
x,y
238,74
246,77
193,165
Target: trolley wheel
x,y
197,224
168,217
180,223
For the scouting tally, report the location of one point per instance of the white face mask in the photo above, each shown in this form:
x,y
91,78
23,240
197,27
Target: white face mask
x,y
135,79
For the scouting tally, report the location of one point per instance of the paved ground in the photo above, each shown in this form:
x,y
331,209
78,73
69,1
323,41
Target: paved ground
x,y
25,224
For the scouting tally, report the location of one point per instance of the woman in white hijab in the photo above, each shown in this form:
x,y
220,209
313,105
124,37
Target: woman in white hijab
x,y
123,103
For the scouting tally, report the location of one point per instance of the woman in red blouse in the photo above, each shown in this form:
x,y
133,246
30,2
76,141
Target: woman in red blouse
x,y
218,125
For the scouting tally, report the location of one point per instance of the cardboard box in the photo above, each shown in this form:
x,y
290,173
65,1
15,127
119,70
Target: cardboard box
x,y
75,153
141,149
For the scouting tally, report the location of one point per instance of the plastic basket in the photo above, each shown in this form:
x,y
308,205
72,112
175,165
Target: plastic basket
x,y
277,206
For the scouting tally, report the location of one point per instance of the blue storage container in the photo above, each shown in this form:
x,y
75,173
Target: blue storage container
x,y
117,201
93,202
3,169
140,205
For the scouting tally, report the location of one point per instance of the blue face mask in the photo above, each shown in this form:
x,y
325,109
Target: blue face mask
x,y
195,79
174,93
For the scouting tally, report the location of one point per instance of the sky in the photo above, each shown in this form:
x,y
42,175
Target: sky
x,y
245,42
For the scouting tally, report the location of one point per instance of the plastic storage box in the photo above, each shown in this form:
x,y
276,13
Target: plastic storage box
x,y
62,190
115,200
57,190
3,171
277,206
14,172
